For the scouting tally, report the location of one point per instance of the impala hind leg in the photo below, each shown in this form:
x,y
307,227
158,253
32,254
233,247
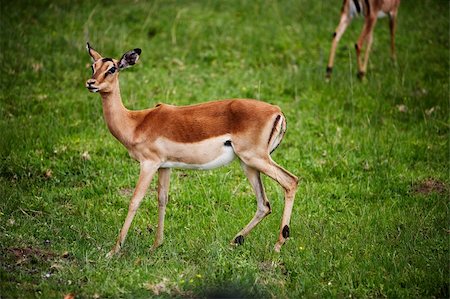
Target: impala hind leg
x,y
145,177
263,206
367,38
163,198
393,27
289,183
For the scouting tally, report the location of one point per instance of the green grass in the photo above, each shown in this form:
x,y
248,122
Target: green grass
x,y
371,213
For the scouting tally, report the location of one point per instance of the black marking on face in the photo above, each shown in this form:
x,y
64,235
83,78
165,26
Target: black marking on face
x,y
227,143
358,7
239,240
274,127
107,59
285,232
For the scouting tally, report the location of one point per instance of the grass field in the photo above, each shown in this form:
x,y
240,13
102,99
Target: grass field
x,y
371,217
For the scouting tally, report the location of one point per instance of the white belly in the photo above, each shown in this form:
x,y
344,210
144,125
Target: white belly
x,y
381,14
206,154
225,158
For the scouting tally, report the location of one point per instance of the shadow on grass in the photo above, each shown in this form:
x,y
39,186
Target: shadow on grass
x,y
233,290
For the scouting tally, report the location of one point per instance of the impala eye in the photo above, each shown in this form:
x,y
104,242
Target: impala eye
x,y
112,70
92,68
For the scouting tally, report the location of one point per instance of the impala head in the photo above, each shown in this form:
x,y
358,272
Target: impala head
x,y
105,71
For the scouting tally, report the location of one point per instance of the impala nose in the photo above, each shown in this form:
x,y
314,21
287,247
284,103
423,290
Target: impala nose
x,y
90,84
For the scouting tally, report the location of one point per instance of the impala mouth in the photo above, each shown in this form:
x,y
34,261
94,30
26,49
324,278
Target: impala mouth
x,y
93,88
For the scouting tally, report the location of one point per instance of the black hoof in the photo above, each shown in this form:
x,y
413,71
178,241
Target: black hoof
x,y
361,75
239,240
285,232
329,71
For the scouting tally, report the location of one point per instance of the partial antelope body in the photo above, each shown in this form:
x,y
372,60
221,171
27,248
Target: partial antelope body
x,y
371,10
203,136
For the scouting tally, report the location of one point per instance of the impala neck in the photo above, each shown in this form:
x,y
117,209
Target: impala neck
x,y
117,117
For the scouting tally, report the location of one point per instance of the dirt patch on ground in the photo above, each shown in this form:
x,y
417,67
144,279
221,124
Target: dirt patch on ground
x,y
429,186
31,261
27,259
29,252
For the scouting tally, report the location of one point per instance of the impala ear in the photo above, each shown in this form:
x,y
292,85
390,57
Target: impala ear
x,y
130,58
94,54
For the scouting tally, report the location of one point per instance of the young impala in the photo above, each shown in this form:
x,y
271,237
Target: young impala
x,y
371,10
203,136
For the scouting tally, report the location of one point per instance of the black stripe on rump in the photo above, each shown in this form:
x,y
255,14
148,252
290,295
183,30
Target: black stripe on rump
x,y
358,7
274,128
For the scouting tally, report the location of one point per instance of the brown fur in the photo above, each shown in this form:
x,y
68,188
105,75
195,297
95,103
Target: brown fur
x,y
201,136
195,123
370,10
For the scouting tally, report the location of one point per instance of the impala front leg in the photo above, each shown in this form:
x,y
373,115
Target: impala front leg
x,y
148,169
343,24
163,198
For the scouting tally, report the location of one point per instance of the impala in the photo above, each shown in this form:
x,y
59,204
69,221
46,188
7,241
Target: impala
x,y
203,136
371,10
